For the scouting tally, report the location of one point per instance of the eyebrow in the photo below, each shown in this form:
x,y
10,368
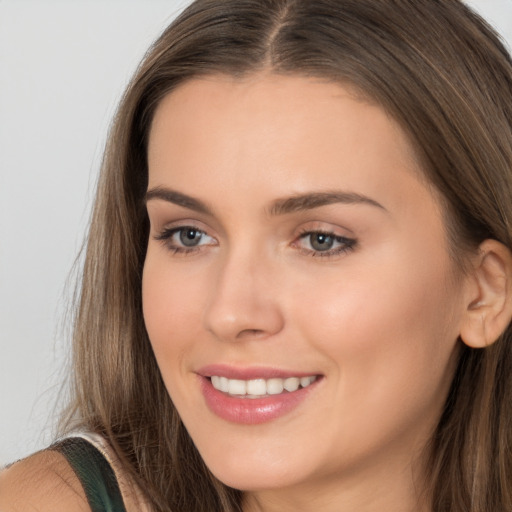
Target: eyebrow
x,y
312,200
175,197
296,203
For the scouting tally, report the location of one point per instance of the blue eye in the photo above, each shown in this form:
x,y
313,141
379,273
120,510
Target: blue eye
x,y
185,239
189,237
320,243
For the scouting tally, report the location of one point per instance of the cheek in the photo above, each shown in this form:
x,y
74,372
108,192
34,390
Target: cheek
x,y
390,335
388,295
171,310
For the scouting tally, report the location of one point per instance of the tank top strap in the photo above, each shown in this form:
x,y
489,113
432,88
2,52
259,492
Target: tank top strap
x,y
94,472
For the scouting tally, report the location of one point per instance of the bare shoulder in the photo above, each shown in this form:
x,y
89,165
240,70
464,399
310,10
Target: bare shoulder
x,y
43,482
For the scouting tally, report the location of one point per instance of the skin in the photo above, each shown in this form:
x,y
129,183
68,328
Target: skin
x,y
42,482
379,322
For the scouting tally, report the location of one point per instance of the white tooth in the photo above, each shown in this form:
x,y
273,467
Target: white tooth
x,y
224,384
256,387
215,381
274,386
292,384
306,381
237,387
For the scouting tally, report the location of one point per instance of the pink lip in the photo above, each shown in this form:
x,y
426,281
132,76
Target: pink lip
x,y
255,372
250,411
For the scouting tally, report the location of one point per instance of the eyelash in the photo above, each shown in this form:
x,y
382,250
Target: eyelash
x,y
346,244
166,237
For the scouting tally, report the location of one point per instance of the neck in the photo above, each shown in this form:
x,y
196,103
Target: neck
x,y
384,487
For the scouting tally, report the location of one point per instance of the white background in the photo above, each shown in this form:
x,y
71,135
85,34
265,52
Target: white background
x,y
63,66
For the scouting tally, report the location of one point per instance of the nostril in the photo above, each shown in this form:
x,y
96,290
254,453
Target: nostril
x,y
234,315
251,333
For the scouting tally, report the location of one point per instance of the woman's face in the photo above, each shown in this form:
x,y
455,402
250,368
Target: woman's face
x,y
294,244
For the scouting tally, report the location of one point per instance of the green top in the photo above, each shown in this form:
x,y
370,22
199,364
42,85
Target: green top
x,y
95,474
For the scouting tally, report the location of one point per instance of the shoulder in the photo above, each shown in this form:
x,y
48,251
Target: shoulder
x,y
43,482
135,500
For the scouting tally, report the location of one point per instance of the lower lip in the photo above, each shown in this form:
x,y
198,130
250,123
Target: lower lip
x,y
252,411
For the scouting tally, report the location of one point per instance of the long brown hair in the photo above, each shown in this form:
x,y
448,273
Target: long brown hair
x,y
443,74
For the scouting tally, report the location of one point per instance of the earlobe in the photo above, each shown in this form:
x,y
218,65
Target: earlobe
x,y
489,299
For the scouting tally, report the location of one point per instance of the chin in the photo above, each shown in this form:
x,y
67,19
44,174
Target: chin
x,y
254,470
250,479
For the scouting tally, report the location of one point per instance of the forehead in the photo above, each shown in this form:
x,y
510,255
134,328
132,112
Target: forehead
x,y
207,101
296,133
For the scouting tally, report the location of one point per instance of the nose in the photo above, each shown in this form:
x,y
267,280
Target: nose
x,y
244,303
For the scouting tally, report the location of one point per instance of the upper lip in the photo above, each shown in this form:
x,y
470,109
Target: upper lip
x,y
250,372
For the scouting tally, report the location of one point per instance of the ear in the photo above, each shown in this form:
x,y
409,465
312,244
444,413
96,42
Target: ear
x,y
489,295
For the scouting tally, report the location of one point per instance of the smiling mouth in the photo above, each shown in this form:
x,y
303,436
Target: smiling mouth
x,y
260,388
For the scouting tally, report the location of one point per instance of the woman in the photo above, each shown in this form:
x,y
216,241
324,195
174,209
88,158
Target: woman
x,y
296,292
